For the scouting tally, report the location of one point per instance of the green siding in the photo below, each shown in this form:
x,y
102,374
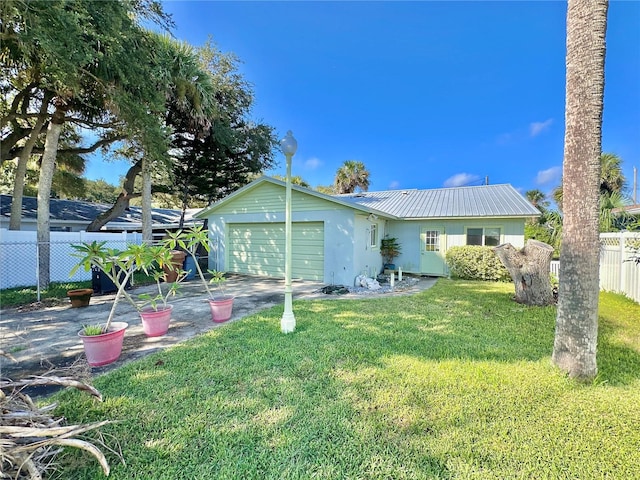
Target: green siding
x,y
268,197
259,249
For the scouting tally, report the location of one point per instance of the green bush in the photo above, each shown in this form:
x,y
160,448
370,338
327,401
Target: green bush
x,y
472,262
544,234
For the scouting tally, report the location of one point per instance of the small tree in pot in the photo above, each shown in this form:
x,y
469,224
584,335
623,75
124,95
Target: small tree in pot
x,y
157,316
189,241
103,342
389,249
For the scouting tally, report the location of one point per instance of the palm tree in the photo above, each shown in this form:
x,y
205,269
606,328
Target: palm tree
x,y
295,180
351,176
574,348
613,216
538,199
326,189
612,180
190,93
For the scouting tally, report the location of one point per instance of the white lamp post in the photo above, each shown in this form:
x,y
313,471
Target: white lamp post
x,y
288,321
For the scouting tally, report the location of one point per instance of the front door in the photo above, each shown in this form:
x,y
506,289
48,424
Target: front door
x,y
432,244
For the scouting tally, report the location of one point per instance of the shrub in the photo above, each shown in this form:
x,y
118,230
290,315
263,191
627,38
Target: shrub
x,y
544,234
473,262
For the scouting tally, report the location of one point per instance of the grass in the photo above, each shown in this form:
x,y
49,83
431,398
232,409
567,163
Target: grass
x,y
15,297
455,382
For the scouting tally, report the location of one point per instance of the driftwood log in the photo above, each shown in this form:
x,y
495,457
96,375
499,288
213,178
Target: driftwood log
x,y
529,269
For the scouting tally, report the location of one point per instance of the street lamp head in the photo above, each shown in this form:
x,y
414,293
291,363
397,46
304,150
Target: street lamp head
x,y
289,144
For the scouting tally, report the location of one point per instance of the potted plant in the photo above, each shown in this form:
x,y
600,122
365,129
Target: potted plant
x,y
80,297
155,311
389,249
189,241
103,341
222,305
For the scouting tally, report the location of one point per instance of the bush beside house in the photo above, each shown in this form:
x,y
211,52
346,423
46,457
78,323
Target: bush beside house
x,y
472,262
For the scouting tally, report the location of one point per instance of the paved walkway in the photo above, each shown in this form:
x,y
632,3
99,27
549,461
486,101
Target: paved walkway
x,y
42,339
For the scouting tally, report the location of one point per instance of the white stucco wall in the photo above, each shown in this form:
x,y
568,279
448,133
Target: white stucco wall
x,y
367,258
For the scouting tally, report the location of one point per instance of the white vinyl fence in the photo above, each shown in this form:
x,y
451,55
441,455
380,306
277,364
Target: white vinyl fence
x,y
618,271
19,255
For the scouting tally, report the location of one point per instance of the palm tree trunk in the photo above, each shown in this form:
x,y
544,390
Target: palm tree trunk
x,y
44,191
574,349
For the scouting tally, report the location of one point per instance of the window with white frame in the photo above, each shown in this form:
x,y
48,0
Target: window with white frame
x,y
432,241
373,235
486,236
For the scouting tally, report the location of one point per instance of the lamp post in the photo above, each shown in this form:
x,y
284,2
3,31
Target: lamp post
x,y
288,321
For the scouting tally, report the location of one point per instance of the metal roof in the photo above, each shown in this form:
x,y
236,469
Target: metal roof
x,y
75,211
480,201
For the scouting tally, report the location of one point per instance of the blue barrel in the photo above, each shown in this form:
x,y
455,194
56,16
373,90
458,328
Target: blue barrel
x,y
190,267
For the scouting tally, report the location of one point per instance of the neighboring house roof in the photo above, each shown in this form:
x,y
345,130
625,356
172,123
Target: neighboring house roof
x,y
631,209
78,212
456,202
481,201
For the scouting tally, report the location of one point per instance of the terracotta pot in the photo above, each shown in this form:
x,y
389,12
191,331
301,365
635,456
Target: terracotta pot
x,y
106,348
221,308
177,259
80,297
155,323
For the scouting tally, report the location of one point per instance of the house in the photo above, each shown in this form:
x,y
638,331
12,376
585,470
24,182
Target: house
x,y
75,216
336,238
630,209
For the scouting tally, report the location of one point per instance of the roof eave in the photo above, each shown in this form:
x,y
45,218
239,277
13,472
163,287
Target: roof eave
x,y
498,217
204,212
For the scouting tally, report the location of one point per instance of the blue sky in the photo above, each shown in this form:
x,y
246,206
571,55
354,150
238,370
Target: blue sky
x,y
425,94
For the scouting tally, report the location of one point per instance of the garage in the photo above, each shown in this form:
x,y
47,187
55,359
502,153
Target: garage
x,y
259,249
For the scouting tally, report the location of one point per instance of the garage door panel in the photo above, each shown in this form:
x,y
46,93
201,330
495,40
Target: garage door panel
x,y
259,249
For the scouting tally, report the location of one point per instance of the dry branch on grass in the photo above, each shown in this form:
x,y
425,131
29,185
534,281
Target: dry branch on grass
x,y
30,435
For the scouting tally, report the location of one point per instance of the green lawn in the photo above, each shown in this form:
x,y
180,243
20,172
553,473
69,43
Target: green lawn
x,y
17,296
455,382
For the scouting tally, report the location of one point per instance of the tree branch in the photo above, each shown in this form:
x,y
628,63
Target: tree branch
x,y
89,123
122,202
73,151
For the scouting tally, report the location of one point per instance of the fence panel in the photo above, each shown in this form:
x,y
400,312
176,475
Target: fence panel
x,y
18,264
618,272
19,255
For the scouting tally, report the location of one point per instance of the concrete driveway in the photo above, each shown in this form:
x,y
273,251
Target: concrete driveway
x,y
46,338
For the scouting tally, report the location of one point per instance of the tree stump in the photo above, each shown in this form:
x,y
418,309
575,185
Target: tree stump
x,y
529,269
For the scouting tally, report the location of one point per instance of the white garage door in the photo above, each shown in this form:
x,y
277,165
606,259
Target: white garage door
x,y
258,249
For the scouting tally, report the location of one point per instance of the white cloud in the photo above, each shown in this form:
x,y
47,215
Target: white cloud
x,y
461,179
393,185
536,128
549,175
313,163
504,139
